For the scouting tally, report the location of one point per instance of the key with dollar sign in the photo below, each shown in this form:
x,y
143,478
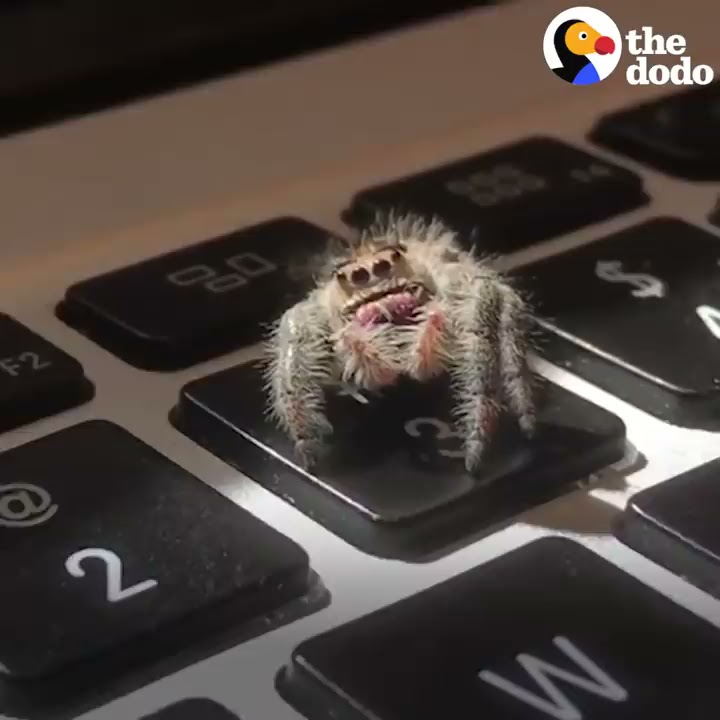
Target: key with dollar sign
x,y
644,285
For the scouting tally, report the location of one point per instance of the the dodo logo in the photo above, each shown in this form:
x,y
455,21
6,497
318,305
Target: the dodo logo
x,y
582,45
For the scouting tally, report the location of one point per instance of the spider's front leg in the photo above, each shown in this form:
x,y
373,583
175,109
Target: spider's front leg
x,y
488,363
299,367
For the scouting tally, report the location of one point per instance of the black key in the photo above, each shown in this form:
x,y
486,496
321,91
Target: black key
x,y
395,483
675,524
178,309
111,545
193,709
550,630
638,313
676,134
511,196
37,379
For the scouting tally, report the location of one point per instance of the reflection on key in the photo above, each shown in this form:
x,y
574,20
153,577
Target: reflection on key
x,y
675,524
510,196
395,482
172,311
549,630
193,709
638,313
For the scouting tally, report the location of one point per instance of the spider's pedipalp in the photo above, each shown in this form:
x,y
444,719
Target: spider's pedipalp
x,y
299,366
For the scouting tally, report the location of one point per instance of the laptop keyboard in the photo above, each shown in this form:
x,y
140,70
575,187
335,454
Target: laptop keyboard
x,y
125,557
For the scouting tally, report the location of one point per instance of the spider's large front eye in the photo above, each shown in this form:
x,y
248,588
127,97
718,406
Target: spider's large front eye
x,y
360,276
382,268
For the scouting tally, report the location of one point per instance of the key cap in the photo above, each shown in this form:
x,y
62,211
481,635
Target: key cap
x,y
109,543
37,379
172,311
638,313
193,709
511,196
549,630
676,134
675,525
395,483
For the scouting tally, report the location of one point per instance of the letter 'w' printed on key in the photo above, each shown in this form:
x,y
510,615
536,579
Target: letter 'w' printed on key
x,y
555,704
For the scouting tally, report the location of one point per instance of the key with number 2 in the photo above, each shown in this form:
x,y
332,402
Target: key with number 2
x,y
106,544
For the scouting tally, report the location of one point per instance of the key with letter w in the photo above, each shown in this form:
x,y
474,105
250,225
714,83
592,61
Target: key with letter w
x,y
555,703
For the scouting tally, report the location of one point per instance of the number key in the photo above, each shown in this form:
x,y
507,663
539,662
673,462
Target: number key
x,y
395,482
37,379
178,309
118,551
510,196
638,312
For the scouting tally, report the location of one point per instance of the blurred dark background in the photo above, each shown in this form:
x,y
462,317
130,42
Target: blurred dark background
x,y
60,58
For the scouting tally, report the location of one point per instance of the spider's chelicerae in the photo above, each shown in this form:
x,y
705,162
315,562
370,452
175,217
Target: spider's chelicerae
x,y
404,299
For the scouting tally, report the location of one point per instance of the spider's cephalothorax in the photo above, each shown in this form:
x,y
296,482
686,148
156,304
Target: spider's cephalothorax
x,y
403,300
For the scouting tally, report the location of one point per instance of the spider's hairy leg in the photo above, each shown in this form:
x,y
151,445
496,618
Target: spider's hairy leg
x,y
474,369
300,365
513,347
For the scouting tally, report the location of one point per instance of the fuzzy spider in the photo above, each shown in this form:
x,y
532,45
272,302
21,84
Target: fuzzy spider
x,y
403,300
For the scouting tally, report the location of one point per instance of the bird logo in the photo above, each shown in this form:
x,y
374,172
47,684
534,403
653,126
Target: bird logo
x,y
582,45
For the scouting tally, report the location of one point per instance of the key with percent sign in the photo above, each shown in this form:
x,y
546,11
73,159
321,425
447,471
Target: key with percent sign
x,y
618,310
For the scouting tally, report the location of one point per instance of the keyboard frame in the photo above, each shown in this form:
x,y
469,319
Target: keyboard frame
x,y
301,137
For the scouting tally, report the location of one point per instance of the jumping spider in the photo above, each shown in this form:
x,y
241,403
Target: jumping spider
x,y
403,300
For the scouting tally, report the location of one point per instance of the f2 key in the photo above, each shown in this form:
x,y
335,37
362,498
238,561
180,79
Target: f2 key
x,y
37,379
638,313
111,549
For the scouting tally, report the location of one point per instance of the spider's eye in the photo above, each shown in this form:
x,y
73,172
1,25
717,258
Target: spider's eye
x,y
340,276
360,276
583,35
382,268
396,255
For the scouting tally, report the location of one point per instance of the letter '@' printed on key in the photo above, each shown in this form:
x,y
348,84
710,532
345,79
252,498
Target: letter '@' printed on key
x,y
25,505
